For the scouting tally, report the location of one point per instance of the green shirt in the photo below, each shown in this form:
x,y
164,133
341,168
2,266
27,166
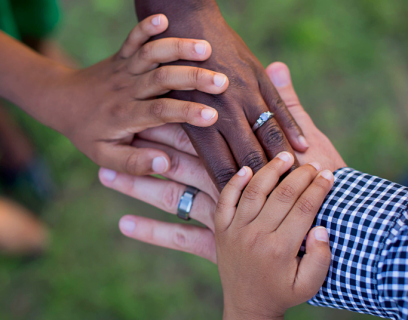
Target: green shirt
x,y
29,18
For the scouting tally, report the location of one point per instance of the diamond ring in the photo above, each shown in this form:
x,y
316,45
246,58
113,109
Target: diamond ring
x,y
262,120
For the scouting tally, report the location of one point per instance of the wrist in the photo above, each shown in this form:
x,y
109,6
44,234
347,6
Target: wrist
x,y
47,99
187,18
172,8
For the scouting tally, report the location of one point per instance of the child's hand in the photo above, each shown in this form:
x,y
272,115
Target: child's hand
x,y
258,239
102,107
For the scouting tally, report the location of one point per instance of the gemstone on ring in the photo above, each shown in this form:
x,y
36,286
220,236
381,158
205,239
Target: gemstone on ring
x,y
262,119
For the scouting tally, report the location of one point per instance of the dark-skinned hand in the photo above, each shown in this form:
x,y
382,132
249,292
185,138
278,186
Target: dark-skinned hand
x,y
229,144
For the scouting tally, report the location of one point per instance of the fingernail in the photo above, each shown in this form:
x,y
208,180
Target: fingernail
x,y
219,80
317,165
303,142
160,164
242,172
284,156
321,234
327,174
200,48
208,114
127,226
280,78
108,175
156,21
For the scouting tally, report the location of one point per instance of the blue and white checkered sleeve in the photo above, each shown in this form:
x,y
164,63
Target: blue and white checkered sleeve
x,y
367,221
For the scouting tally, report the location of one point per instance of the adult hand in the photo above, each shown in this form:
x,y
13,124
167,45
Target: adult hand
x,y
321,149
100,108
230,143
187,169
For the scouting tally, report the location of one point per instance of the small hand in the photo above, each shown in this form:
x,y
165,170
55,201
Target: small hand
x,y
102,107
187,169
259,228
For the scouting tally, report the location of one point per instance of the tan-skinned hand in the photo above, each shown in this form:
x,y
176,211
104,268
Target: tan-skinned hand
x,y
259,228
101,108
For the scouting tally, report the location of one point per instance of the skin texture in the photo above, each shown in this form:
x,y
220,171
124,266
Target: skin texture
x,y
259,228
230,143
101,108
188,169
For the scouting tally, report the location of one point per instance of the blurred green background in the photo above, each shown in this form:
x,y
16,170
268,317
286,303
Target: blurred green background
x,y
349,66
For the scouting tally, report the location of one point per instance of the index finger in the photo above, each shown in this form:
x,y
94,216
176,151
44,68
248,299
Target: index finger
x,y
229,198
145,29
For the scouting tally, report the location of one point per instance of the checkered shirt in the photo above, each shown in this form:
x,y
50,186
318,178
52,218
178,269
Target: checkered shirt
x,y
366,218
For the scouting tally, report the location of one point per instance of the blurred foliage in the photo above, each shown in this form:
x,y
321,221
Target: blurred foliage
x,y
349,67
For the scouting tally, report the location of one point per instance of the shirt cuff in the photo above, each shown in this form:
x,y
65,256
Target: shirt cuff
x,y
360,213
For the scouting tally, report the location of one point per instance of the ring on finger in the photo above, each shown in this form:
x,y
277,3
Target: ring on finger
x,y
263,118
186,203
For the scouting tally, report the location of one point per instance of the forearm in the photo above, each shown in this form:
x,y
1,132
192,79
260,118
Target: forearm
x,y
363,214
25,77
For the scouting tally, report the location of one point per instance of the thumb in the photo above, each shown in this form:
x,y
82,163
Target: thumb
x,y
315,263
279,74
134,161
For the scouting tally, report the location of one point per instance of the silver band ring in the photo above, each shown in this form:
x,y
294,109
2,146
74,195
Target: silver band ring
x,y
186,202
263,118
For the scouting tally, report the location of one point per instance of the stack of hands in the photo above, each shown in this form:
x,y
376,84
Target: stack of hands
x,y
182,99
118,114
255,228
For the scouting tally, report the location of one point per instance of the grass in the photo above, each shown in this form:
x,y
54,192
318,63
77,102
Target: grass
x,y
349,68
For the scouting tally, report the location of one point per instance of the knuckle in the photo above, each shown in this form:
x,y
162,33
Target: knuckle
x,y
182,141
285,193
253,239
145,52
196,75
144,28
223,175
131,164
222,205
196,245
116,111
171,197
157,108
279,251
291,123
253,192
277,104
160,76
187,109
305,206
272,135
176,168
178,46
255,160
